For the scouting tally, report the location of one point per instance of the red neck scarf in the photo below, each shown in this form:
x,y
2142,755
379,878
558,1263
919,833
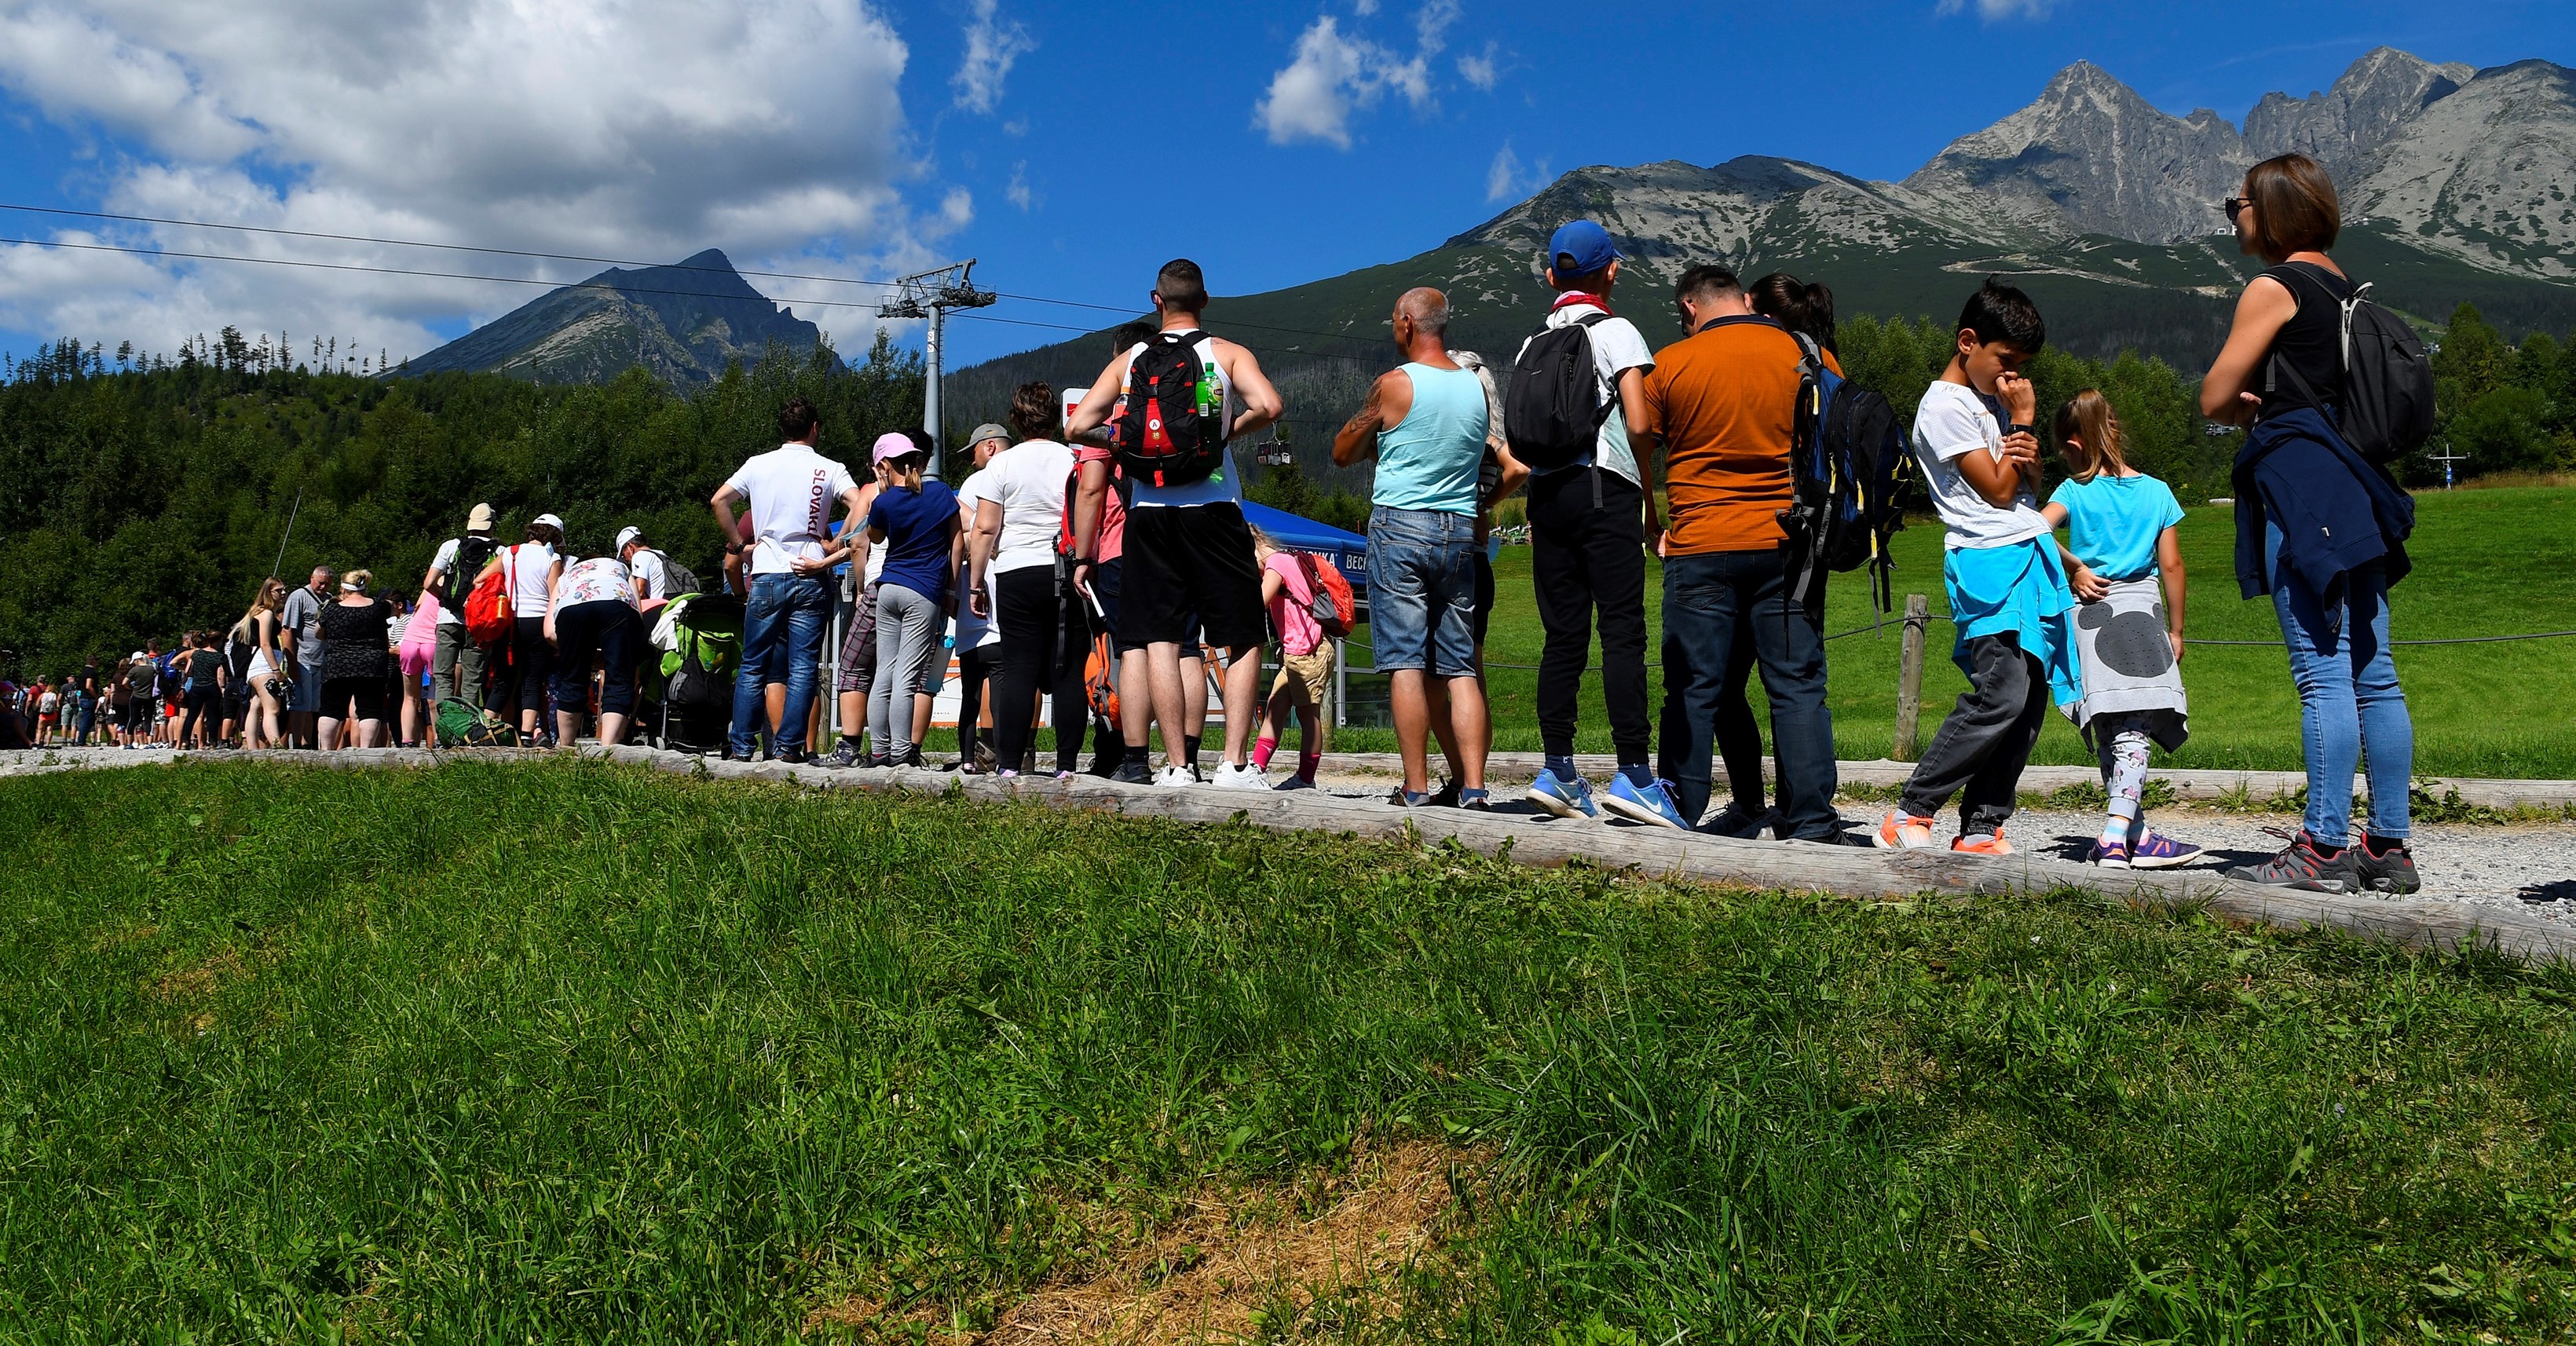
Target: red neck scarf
x,y
1601,302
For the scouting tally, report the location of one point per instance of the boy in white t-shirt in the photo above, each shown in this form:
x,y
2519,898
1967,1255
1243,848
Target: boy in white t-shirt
x,y
2007,577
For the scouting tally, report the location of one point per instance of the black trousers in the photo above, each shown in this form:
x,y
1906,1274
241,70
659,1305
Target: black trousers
x,y
522,685
1045,638
975,669
202,703
1588,559
1982,748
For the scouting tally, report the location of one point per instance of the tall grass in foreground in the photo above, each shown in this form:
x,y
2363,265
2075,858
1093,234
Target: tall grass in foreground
x,y
567,1052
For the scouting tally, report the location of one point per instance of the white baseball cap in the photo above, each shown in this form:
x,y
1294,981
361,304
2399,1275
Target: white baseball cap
x,y
630,533
550,521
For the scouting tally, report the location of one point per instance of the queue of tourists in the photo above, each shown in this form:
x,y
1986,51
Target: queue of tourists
x,y
1097,556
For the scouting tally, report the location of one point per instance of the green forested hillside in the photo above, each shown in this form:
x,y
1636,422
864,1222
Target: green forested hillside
x,y
142,504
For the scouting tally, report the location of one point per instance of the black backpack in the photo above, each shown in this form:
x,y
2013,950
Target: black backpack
x,y
2387,406
1170,427
1553,413
472,554
1847,461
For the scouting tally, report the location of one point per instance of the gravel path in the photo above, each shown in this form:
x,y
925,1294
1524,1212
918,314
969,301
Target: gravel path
x,y
2531,866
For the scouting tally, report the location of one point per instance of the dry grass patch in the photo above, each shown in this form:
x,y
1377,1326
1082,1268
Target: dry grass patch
x,y
1238,1257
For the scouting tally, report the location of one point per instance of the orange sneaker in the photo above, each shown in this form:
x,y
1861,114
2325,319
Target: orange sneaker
x,y
1980,843
1902,831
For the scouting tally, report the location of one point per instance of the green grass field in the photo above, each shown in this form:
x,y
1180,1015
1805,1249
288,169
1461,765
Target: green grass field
x,y
2488,562
563,1052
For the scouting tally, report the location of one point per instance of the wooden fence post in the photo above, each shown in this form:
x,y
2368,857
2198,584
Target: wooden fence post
x,y
1909,678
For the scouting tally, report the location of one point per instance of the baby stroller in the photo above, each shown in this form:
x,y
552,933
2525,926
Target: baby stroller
x,y
698,640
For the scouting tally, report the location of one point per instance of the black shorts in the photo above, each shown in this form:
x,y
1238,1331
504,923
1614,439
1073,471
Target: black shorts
x,y
368,693
1190,559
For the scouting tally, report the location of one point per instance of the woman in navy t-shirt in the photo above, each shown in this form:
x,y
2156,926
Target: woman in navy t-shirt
x,y
915,521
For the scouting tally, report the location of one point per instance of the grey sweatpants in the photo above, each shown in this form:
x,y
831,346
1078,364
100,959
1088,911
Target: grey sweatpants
x,y
908,628
456,667
1981,749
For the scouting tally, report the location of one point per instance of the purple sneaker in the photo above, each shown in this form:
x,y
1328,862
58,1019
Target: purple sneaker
x,y
2113,856
2159,851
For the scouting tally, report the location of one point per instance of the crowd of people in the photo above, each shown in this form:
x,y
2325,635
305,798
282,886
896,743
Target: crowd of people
x,y
1097,554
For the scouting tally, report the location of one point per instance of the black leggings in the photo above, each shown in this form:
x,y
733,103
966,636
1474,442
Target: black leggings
x,y
201,703
523,683
975,668
1040,628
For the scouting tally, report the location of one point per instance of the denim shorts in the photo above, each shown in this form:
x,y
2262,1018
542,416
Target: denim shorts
x,y
306,696
1422,591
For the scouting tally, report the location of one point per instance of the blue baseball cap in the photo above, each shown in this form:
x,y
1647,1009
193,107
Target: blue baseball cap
x,y
1587,243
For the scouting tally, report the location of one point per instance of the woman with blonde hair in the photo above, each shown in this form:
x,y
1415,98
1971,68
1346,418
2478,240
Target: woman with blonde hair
x,y
353,663
263,629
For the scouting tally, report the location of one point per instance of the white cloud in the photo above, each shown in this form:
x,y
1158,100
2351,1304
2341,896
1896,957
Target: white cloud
x,y
1481,70
615,128
1505,172
1018,192
1333,75
992,47
1993,10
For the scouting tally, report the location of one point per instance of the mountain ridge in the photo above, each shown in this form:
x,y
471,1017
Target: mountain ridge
x,y
683,323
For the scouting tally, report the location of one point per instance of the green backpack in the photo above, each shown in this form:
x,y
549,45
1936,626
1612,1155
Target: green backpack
x,y
460,725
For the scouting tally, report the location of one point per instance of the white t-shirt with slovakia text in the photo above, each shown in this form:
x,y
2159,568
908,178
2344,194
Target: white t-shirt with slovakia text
x,y
1617,347
1952,422
792,489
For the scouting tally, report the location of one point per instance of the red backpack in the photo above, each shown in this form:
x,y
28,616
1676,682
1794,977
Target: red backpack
x,y
1331,605
489,613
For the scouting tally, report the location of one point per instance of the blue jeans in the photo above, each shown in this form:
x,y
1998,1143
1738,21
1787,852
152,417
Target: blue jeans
x,y
1422,591
782,641
1708,599
2350,705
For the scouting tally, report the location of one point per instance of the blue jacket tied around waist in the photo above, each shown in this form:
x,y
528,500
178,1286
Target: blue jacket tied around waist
x,y
2336,511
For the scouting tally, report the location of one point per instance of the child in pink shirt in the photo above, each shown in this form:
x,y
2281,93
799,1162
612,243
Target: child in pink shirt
x,y
1305,661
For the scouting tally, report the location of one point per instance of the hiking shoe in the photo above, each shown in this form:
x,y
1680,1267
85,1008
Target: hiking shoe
x,y
1175,774
1982,843
1406,799
2158,851
1902,831
911,757
1244,777
1446,797
2392,872
2113,856
1133,773
1741,823
1562,798
2302,866
845,756
1651,803
1295,783
1476,801
986,760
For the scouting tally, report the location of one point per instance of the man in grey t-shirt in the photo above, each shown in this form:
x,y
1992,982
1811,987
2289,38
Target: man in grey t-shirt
x,y
303,617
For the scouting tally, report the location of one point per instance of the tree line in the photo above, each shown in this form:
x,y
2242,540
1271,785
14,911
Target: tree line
x,y
151,499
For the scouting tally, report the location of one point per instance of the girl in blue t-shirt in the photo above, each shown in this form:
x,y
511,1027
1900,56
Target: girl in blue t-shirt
x,y
2120,523
914,519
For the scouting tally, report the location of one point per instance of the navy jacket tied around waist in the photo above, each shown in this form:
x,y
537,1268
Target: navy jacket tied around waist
x,y
2335,510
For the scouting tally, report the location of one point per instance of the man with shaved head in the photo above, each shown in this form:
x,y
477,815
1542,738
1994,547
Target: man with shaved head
x,y
1425,424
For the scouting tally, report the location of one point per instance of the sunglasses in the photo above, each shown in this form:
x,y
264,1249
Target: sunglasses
x,y
2235,206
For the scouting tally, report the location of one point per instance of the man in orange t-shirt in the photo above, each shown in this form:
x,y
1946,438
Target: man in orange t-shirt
x,y
1723,403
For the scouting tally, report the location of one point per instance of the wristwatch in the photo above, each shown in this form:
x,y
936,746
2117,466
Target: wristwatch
x,y
733,549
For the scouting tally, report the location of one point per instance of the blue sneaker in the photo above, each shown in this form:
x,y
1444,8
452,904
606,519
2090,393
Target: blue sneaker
x,y
1565,799
1651,804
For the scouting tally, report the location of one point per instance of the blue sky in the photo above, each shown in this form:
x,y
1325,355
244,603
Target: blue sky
x,y
833,137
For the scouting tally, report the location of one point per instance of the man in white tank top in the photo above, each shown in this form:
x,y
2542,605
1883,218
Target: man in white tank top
x,y
1187,548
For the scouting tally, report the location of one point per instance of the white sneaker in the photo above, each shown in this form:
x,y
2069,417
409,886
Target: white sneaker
x,y
1244,777
1176,774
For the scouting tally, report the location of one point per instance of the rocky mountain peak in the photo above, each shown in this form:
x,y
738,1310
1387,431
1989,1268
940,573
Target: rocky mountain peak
x,y
2347,124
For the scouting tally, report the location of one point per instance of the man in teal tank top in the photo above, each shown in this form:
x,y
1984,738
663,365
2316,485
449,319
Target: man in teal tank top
x,y
1425,424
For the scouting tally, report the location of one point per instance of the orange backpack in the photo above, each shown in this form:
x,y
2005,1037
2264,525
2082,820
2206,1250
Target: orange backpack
x,y
1332,607
489,612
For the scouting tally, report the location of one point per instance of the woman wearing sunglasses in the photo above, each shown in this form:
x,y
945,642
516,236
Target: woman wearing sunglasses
x,y
2319,528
